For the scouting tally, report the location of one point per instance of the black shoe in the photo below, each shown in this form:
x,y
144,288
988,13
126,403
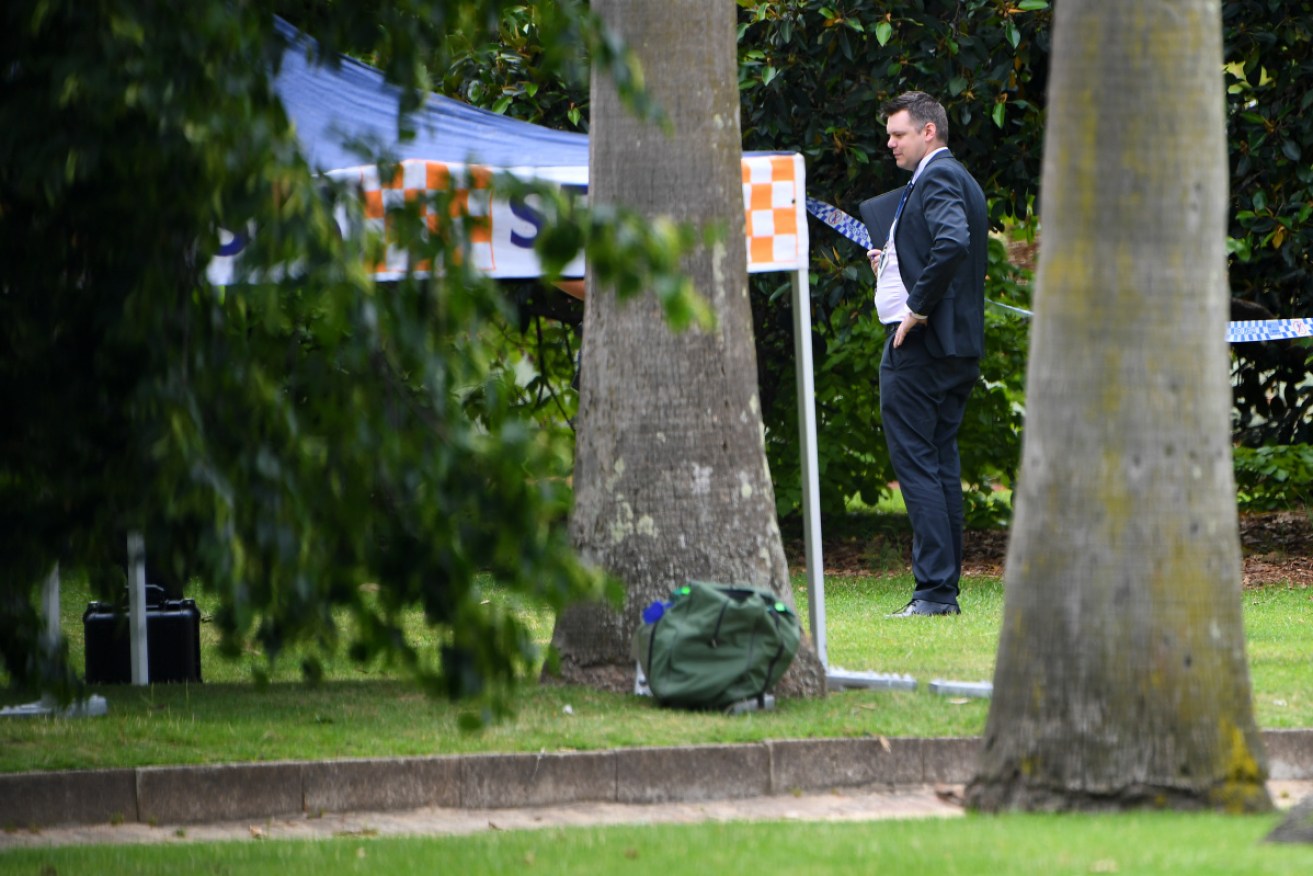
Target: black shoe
x,y
921,608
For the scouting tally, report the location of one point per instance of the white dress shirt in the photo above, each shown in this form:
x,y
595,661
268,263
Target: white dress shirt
x,y
890,292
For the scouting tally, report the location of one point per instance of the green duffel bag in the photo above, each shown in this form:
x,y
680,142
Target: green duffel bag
x,y
713,645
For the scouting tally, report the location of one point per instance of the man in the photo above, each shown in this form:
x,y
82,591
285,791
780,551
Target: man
x,y
930,295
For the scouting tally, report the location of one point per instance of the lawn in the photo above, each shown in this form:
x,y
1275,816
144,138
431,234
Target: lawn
x,y
369,711
1052,845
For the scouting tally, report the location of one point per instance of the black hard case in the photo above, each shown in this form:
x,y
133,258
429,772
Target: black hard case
x,y
173,640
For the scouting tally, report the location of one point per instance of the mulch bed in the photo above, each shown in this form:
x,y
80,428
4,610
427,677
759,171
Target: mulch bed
x,y
1277,548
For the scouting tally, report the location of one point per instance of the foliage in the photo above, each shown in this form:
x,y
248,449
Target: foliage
x,y
506,74
990,440
538,352
1274,477
303,441
1269,54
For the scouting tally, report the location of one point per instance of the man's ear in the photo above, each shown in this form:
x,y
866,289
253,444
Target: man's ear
x,y
932,130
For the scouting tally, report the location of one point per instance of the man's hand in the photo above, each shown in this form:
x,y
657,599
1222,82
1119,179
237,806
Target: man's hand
x,y
908,323
874,256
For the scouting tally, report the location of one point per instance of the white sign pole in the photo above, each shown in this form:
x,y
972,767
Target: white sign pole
x,y
137,608
50,606
811,489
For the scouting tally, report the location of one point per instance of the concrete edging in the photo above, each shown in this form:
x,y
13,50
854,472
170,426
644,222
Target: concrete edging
x,y
227,792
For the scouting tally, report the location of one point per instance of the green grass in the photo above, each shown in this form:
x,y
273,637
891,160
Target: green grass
x,y
368,712
1052,845
858,636
1279,642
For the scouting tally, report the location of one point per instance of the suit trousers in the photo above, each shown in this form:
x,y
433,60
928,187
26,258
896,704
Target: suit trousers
x,y
922,402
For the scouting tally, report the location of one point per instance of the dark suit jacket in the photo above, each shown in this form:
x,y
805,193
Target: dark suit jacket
x,y
943,249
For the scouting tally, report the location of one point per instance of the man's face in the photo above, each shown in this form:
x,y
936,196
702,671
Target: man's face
x,y
907,142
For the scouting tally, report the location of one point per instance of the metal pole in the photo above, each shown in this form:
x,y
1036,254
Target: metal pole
x,y
50,606
137,608
811,490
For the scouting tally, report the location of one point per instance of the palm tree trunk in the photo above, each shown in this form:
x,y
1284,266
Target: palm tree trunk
x,y
1121,678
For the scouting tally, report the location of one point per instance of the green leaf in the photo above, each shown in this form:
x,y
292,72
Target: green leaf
x,y
883,31
1000,109
1033,5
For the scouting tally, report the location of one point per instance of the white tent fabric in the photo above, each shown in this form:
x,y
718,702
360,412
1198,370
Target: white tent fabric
x,y
354,103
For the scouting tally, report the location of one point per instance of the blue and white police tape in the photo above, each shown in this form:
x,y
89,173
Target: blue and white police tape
x,y
850,227
1244,331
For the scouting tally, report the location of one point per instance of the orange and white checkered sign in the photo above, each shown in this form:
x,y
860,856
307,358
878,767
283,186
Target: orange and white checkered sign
x,y
775,215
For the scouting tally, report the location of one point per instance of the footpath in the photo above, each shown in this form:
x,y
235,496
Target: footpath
x,y
813,779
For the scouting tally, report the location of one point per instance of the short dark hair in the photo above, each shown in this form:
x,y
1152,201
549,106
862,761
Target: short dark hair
x,y
921,108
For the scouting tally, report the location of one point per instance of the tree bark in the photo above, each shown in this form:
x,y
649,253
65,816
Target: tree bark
x,y
1121,678
671,480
